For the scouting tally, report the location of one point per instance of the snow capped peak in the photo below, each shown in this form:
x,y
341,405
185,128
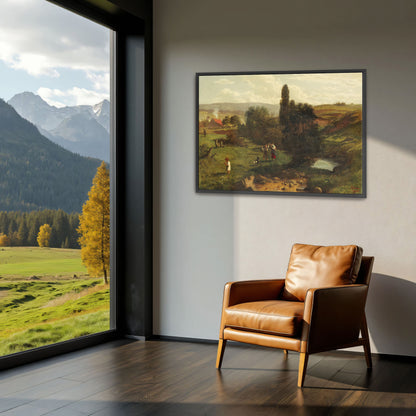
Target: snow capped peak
x,y
82,129
101,108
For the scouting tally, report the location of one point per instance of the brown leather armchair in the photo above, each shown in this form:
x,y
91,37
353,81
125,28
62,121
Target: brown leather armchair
x,y
318,307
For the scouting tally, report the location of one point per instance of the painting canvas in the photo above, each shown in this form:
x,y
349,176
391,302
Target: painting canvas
x,y
283,133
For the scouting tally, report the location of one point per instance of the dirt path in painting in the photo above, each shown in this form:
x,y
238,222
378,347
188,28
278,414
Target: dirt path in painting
x,y
3,293
264,184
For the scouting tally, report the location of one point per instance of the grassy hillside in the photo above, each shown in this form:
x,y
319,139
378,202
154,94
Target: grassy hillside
x,y
54,305
56,331
328,113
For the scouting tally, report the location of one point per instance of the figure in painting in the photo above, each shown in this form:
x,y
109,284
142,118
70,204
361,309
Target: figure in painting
x,y
227,165
273,149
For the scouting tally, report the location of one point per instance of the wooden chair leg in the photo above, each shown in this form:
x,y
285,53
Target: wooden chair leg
x,y
366,343
285,352
220,352
303,364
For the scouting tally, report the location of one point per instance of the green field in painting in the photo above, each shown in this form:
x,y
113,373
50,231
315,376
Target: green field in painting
x,y
243,158
341,144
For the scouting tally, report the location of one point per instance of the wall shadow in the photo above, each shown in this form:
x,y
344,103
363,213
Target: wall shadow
x,y
390,311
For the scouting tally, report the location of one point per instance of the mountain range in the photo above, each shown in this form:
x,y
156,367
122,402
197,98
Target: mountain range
x,y
36,173
82,129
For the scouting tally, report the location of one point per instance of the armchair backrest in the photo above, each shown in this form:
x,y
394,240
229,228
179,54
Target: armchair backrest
x,y
320,266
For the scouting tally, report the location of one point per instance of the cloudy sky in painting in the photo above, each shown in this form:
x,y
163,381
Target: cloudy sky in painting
x,y
317,88
54,53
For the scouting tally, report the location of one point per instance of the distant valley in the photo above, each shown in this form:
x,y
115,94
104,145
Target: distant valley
x,y
220,110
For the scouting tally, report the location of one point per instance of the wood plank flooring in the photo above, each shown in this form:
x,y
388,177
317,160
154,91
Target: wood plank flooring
x,y
179,378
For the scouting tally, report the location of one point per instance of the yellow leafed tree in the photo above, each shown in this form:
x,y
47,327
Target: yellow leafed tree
x,y
44,235
94,226
4,240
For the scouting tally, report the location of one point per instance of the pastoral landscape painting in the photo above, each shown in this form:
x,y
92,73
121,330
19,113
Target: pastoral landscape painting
x,y
297,133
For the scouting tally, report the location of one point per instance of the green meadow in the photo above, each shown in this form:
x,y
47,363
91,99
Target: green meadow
x,y
243,163
46,297
18,262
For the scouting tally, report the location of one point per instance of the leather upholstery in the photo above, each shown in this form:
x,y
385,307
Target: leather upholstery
x,y
319,266
364,274
276,317
332,316
247,291
255,312
253,290
329,318
266,340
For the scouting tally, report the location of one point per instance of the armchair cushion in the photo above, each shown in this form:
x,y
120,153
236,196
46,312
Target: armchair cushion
x,y
277,317
319,266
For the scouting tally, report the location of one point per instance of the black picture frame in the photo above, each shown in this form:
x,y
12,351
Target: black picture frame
x,y
296,133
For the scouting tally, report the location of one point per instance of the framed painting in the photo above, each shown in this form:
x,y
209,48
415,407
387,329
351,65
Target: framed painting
x,y
282,133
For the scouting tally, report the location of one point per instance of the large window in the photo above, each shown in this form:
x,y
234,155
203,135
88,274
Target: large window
x,y
54,176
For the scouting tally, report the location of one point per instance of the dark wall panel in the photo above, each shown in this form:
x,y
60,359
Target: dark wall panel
x,y
135,220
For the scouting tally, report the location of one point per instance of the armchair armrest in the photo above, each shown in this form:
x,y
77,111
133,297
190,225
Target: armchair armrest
x,y
333,317
249,291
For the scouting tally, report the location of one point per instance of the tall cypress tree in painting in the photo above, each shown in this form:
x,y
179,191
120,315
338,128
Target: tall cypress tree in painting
x,y
284,107
300,133
94,226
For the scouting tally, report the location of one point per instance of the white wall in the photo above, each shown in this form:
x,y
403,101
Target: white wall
x,y
204,240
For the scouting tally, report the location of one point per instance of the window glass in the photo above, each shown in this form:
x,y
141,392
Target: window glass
x,y
54,175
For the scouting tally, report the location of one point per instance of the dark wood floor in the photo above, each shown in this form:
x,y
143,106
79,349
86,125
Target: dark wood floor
x,y
178,378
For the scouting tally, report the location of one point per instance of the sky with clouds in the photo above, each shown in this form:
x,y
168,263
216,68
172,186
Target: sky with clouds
x,y
52,52
312,88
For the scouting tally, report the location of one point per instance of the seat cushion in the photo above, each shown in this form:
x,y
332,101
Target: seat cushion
x,y
319,266
277,317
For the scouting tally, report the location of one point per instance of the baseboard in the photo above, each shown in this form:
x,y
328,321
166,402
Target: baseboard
x,y
137,337
393,357
183,339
